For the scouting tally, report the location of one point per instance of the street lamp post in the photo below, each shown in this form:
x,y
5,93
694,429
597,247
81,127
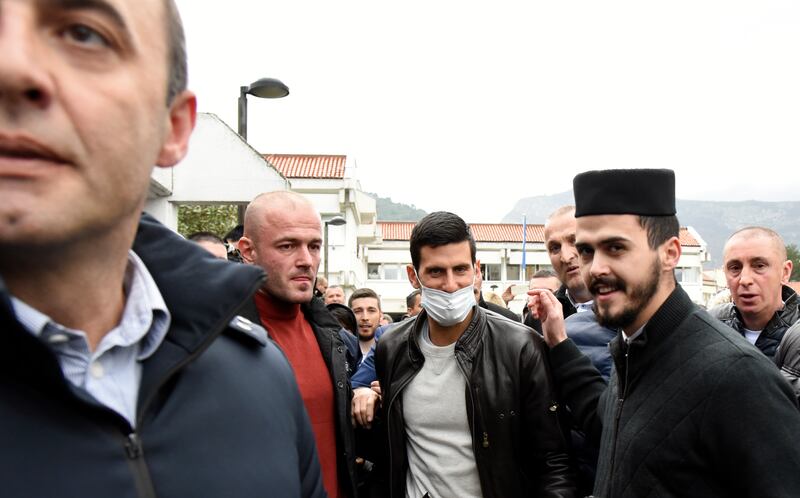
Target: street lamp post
x,y
337,220
265,88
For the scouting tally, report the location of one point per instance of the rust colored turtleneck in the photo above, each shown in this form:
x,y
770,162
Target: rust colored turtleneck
x,y
289,329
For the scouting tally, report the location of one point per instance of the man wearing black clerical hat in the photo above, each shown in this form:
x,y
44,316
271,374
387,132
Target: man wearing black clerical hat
x,y
691,409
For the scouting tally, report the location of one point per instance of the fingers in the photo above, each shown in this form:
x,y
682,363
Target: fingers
x,y
363,406
376,386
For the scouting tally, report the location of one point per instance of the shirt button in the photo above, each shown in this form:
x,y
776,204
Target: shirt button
x,y
58,339
96,370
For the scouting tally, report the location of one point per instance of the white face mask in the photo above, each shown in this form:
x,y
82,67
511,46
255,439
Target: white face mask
x,y
447,308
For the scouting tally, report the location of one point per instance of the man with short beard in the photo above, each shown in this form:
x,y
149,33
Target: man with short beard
x,y
283,235
691,409
366,305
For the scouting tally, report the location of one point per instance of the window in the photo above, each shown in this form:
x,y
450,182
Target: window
x,y
386,271
490,272
391,272
687,275
512,272
373,271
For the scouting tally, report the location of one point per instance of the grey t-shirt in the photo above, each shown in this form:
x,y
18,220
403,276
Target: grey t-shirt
x,y
441,461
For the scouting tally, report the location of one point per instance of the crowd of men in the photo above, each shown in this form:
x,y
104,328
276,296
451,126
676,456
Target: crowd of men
x,y
137,363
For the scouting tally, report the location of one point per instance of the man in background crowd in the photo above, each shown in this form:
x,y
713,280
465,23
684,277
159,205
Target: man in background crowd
x,y
210,243
757,270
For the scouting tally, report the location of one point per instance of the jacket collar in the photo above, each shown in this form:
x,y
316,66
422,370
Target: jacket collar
x,y
782,318
675,309
467,343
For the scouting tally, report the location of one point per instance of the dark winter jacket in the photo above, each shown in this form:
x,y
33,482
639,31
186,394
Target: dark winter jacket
x,y
517,441
788,357
219,413
335,354
773,332
692,410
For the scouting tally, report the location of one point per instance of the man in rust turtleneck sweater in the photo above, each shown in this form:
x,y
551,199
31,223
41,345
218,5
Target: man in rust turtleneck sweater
x,y
283,235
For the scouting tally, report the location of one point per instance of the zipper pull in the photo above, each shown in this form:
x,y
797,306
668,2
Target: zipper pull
x,y
485,440
133,446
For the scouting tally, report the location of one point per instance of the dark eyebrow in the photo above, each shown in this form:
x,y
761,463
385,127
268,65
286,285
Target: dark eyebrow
x,y
613,240
101,6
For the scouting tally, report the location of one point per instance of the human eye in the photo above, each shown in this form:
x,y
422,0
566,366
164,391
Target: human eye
x,y
85,36
734,269
586,253
553,248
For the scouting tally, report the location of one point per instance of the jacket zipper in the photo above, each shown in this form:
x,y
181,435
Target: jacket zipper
x,y
620,402
133,443
141,474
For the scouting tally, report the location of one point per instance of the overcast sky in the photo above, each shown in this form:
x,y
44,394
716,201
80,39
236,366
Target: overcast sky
x,y
469,106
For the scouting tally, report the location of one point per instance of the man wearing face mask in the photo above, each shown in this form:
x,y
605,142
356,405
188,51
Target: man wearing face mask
x,y
467,397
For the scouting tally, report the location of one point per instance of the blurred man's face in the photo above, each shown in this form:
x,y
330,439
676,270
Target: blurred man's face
x,y
334,295
559,237
368,316
755,270
83,116
218,250
416,308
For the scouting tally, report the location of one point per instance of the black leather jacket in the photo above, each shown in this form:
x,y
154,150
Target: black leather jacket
x,y
773,332
518,445
788,358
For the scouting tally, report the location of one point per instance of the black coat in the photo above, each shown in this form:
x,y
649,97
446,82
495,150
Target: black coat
x,y
691,410
219,412
517,441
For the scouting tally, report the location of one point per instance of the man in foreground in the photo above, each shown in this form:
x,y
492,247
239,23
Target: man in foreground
x,y
691,409
123,358
467,395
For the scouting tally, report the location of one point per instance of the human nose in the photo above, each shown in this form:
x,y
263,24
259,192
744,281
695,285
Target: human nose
x,y
24,78
304,258
745,276
450,283
598,266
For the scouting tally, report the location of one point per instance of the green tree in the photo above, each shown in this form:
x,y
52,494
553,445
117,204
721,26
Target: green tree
x,y
217,219
793,254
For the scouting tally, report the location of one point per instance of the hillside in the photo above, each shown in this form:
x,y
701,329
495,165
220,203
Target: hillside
x,y
714,221
389,210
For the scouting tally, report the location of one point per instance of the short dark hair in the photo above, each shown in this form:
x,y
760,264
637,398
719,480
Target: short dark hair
x,y
438,229
545,274
235,233
205,237
660,229
361,293
412,297
344,316
176,44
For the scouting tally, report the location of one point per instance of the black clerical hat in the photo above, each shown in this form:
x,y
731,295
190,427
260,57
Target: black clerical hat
x,y
644,192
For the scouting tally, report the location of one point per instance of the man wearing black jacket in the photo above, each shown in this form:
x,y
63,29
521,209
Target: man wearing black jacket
x,y
125,369
283,235
467,398
691,409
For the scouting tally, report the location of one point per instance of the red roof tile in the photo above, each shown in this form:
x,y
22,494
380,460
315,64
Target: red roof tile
x,y
493,232
308,166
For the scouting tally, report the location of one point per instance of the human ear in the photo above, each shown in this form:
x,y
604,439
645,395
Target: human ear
x,y
181,120
247,249
412,276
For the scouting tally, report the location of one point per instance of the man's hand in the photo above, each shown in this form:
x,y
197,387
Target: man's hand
x,y
545,307
508,296
365,400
